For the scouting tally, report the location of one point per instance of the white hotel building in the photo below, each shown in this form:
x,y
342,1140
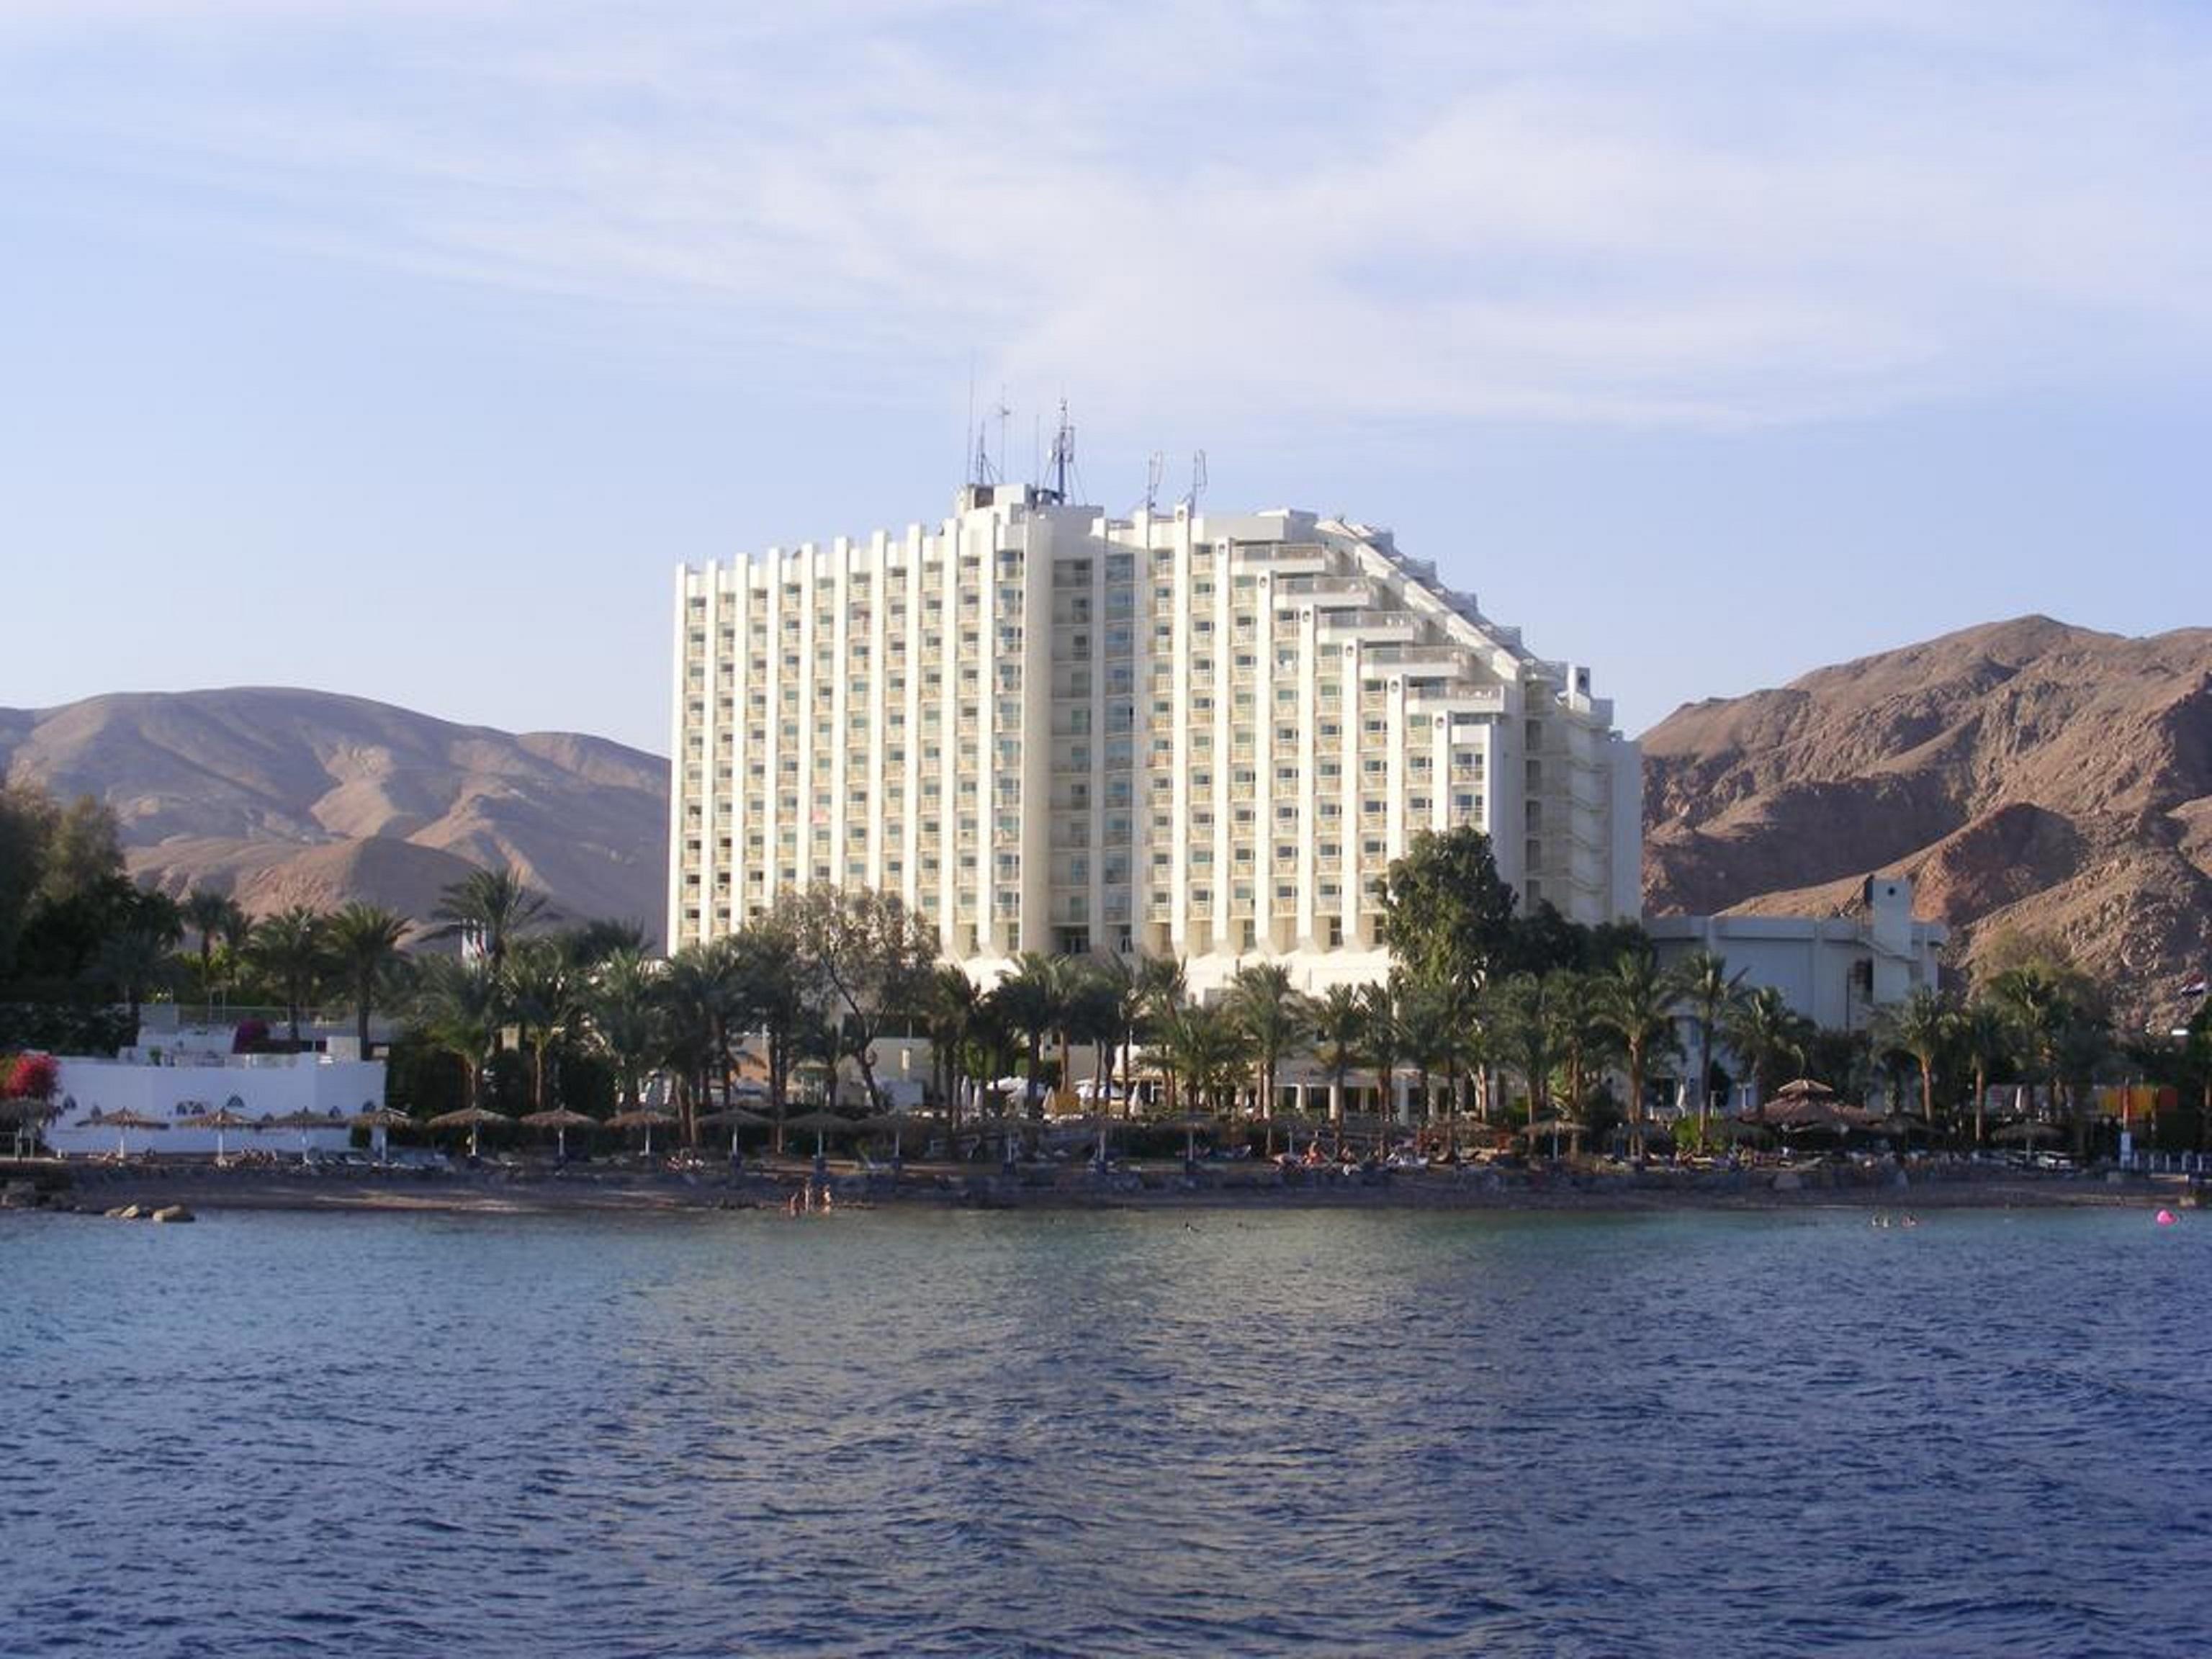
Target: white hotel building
x,y
1196,735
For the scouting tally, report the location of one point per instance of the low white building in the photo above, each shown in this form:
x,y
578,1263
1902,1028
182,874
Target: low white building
x,y
1835,970
180,1071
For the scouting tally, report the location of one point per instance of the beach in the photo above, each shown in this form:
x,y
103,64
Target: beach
x,y
492,1188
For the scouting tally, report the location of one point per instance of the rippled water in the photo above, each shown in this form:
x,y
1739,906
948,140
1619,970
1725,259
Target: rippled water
x,y
901,1433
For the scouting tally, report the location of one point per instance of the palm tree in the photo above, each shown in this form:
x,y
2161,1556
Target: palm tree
x,y
135,960
1920,1026
209,914
1578,1036
1207,1049
624,1013
547,999
460,1006
1520,1012
1427,1015
291,948
1274,1019
1385,1046
1706,990
704,992
950,1009
1636,1002
363,944
1769,1035
775,993
1985,1036
1029,999
489,908
1341,1034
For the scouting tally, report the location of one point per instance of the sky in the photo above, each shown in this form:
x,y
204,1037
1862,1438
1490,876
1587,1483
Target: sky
x,y
404,350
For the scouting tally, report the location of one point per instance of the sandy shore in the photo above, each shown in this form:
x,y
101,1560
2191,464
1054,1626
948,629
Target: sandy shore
x,y
97,1189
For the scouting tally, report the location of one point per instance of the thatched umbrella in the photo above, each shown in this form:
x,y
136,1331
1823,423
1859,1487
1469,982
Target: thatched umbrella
x,y
735,1118
378,1121
220,1120
1191,1123
1804,1088
821,1122
303,1122
1554,1126
643,1117
122,1123
560,1120
471,1118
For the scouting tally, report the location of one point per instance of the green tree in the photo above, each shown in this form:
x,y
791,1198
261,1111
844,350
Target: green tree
x,y
363,941
1028,1000
1920,1027
490,909
868,959
1636,1002
208,914
547,999
1381,1017
1339,1020
1447,915
1706,990
292,948
459,1007
623,1015
1768,1035
1520,1012
775,1000
1275,1018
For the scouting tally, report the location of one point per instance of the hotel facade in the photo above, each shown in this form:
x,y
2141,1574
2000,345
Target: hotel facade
x,y
1190,735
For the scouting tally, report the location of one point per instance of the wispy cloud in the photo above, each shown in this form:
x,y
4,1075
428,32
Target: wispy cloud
x,y
1707,211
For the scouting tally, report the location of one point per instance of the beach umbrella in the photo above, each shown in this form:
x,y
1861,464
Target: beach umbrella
x,y
1804,1088
377,1121
2023,1134
1554,1127
821,1122
643,1117
471,1118
734,1118
123,1121
303,1122
220,1120
560,1120
1192,1124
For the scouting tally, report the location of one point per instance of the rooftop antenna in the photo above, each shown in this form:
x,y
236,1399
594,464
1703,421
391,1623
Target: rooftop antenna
x,y
986,470
1197,480
1005,414
1063,454
1155,470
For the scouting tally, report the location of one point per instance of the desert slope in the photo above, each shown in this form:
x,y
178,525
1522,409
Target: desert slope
x,y
287,797
2026,775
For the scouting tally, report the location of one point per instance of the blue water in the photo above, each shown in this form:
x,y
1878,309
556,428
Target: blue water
x,y
917,1433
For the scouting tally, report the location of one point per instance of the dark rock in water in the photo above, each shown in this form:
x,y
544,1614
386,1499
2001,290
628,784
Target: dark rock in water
x,y
174,1213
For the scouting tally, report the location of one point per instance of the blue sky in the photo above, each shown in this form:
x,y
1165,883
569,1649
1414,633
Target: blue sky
x,y
404,348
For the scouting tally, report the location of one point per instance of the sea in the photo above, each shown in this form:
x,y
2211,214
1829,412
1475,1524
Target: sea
x,y
1203,1433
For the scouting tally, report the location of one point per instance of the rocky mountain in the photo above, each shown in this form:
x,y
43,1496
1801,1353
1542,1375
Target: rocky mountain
x,y
2027,775
289,796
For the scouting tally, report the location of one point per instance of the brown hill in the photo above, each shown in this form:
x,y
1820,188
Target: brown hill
x,y
2028,775
285,797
